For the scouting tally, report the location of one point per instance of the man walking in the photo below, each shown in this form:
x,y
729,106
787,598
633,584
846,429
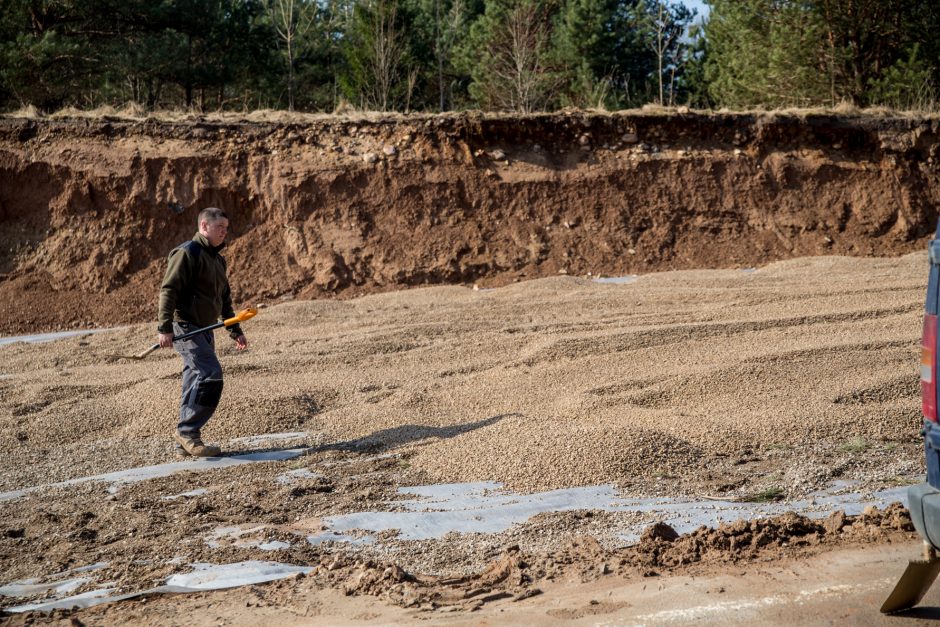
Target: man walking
x,y
195,293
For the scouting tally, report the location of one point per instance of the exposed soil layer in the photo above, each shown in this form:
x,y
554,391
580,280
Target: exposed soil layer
x,y
89,209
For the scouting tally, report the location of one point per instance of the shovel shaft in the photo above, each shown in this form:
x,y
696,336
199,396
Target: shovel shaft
x,y
145,353
186,336
176,338
241,316
244,314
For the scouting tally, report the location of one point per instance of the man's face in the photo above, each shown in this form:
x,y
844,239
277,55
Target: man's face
x,y
214,231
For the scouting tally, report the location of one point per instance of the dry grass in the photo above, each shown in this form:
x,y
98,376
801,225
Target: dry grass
x,y
106,111
29,112
346,112
344,107
274,116
133,110
846,108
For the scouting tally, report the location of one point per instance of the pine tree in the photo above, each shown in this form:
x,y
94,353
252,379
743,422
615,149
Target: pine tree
x,y
46,58
908,84
439,26
664,26
610,50
508,56
790,52
376,52
292,21
591,38
765,52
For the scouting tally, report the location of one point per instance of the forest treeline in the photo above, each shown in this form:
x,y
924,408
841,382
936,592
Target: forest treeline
x,y
439,55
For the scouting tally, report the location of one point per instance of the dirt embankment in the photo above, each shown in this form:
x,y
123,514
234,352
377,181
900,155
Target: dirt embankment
x,y
89,209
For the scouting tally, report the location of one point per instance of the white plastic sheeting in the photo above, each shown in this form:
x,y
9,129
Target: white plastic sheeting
x,y
164,470
617,280
50,337
487,508
203,577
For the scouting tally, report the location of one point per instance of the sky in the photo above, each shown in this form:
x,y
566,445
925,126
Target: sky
x,y
698,5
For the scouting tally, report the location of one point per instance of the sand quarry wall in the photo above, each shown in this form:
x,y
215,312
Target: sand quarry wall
x,y
339,207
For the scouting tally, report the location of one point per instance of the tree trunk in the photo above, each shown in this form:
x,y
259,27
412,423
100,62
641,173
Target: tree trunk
x,y
290,76
439,52
189,72
659,51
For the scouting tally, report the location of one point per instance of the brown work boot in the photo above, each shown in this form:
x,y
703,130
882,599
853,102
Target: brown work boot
x,y
195,447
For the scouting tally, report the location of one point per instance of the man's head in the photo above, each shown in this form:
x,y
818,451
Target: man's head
x,y
213,224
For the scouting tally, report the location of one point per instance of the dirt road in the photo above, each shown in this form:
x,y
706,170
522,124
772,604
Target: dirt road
x,y
843,586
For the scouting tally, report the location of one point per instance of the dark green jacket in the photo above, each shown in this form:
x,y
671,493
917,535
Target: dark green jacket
x,y
195,288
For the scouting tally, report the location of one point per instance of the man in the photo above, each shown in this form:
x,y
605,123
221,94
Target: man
x,y
194,294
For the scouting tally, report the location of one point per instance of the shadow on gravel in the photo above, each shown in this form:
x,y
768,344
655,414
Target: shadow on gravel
x,y
922,613
406,434
375,442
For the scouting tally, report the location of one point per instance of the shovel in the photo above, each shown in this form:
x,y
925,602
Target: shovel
x,y
914,583
241,316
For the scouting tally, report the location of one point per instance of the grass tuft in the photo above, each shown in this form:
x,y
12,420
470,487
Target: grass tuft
x,y
29,112
857,444
767,495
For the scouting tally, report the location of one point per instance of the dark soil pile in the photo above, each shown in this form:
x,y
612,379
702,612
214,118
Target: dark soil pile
x,y
340,207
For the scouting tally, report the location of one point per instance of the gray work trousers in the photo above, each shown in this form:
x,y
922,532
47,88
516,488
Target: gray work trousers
x,y
202,380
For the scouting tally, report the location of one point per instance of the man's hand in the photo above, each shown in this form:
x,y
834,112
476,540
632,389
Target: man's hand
x,y
165,340
241,342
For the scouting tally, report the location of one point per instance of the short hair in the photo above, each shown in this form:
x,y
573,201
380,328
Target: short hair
x,y
210,214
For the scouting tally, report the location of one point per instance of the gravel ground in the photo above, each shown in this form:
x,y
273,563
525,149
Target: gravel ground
x,y
676,378
769,383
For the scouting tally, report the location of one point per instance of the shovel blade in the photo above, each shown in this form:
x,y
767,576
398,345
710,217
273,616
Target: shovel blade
x,y
913,585
140,355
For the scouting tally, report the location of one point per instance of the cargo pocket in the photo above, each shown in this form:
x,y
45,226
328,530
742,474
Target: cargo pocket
x,y
209,392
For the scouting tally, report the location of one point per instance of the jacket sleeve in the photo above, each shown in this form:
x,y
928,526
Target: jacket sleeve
x,y
178,275
227,310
